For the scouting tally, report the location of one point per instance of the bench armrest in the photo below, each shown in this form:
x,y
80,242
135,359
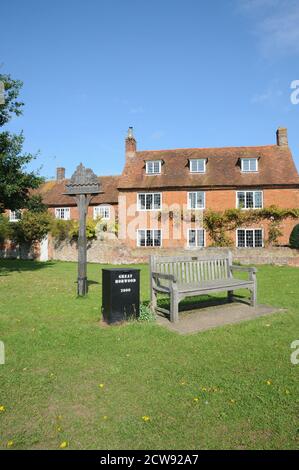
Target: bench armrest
x,y
247,269
168,277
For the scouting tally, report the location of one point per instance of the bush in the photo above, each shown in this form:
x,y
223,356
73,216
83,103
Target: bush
x,y
5,228
60,229
32,227
146,314
294,237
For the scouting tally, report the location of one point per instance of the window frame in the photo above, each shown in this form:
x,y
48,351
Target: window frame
x,y
249,159
95,208
196,229
15,219
63,208
146,194
250,191
189,201
204,160
248,230
151,230
153,163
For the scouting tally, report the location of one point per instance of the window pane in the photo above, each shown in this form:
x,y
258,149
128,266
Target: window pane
x,y
249,200
241,200
241,238
258,199
192,200
253,164
200,238
149,201
141,235
157,201
249,239
157,237
258,238
192,238
200,200
197,165
245,164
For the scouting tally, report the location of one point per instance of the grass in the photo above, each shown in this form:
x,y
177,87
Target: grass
x,y
57,355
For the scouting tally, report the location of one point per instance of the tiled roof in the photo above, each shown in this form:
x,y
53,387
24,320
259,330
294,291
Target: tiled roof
x,y
275,167
52,192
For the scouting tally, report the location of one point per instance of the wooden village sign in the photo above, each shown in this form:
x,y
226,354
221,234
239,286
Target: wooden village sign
x,y
83,186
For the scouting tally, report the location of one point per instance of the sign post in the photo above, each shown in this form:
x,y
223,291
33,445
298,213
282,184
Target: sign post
x,y
83,186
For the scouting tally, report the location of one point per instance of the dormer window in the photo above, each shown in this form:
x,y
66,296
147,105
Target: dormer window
x,y
153,167
249,165
198,165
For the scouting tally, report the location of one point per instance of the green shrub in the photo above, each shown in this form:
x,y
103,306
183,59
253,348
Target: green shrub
x,y
60,229
32,227
294,237
146,314
5,228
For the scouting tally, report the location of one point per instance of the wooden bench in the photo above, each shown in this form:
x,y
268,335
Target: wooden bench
x,y
188,276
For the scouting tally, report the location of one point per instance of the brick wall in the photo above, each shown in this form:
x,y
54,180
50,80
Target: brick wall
x,y
174,235
115,252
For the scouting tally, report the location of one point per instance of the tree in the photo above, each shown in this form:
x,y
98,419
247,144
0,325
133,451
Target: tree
x,y
15,182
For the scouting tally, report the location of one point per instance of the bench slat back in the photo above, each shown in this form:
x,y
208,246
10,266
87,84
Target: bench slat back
x,y
193,269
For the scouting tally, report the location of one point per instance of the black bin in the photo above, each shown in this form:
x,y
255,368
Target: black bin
x,y
120,294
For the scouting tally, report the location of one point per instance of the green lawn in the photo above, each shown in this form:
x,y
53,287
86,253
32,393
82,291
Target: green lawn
x,y
57,355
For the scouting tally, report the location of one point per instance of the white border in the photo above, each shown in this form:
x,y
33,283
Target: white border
x,y
149,210
250,171
153,161
197,208
249,191
104,206
59,208
149,246
247,228
202,159
204,238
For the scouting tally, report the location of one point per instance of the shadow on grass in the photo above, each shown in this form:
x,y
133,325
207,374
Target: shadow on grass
x,y
9,266
205,301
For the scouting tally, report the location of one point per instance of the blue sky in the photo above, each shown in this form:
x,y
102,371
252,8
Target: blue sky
x,y
183,73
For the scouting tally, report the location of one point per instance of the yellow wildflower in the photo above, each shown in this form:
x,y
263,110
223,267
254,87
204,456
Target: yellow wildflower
x,y
2,408
101,385
59,429
195,399
146,418
105,417
10,443
63,445
287,393
269,382
233,401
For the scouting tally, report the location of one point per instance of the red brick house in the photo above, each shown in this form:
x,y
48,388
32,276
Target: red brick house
x,y
157,186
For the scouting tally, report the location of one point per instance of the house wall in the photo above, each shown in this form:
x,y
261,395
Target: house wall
x,y
174,232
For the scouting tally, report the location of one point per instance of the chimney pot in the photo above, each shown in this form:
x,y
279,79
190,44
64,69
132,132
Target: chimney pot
x,y
131,146
282,137
60,173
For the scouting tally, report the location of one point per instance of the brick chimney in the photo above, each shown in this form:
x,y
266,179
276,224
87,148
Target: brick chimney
x,y
130,144
60,173
282,137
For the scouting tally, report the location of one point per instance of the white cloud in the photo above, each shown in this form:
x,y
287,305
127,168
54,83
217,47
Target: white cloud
x,y
271,95
276,25
137,110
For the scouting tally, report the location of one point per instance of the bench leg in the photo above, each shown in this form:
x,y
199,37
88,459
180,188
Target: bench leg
x,y
253,298
154,299
174,306
230,295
